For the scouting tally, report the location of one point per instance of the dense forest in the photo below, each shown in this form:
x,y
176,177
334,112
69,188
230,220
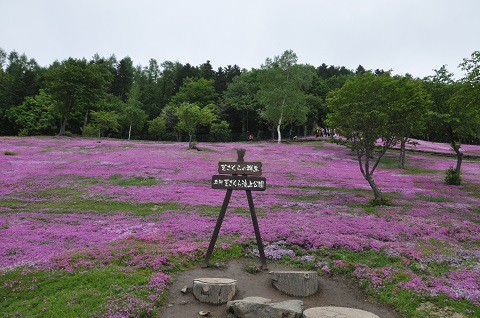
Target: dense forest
x,y
104,96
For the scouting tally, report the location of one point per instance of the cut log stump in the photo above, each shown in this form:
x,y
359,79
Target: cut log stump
x,y
214,290
337,312
295,283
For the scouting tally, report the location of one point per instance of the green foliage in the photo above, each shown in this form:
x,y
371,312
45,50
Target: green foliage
x,y
283,83
199,91
380,201
123,78
157,127
77,294
221,131
240,95
132,114
76,84
225,254
103,121
9,153
360,113
191,116
453,177
252,268
137,182
455,112
35,116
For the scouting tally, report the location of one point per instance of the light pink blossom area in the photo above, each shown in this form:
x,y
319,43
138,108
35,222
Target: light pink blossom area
x,y
316,199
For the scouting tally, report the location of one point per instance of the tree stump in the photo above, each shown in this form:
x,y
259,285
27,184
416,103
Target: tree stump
x,y
295,283
214,290
337,312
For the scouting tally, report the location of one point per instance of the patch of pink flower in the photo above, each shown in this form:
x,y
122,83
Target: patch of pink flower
x,y
315,199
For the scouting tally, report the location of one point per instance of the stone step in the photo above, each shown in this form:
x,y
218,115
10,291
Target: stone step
x,y
259,307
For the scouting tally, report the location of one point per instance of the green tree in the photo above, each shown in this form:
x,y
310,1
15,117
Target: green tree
x,y
35,116
221,131
132,114
282,91
359,112
20,78
157,127
240,95
190,117
76,85
407,110
123,79
199,91
102,122
456,104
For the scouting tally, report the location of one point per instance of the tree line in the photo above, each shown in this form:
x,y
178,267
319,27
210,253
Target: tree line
x,y
175,101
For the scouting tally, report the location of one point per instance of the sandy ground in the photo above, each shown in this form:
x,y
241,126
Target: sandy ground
x,y
333,291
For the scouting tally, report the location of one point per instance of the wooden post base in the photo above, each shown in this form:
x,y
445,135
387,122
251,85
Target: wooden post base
x,y
214,290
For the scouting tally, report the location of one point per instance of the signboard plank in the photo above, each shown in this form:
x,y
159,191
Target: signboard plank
x,y
250,168
239,183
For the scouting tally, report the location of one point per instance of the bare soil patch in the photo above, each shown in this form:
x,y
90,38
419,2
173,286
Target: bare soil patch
x,y
333,291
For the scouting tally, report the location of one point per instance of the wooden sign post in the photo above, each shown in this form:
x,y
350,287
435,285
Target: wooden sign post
x,y
243,176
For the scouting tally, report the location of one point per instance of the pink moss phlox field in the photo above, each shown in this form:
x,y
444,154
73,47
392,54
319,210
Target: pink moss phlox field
x,y
316,199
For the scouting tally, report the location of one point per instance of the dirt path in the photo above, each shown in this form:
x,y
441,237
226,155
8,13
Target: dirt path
x,y
333,291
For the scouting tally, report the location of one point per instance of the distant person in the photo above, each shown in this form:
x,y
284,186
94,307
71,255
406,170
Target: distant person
x,y
250,137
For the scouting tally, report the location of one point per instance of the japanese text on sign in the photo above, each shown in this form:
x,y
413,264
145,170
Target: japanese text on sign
x,y
254,168
238,183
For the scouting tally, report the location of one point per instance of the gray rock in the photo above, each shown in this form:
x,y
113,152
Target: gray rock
x,y
337,312
255,307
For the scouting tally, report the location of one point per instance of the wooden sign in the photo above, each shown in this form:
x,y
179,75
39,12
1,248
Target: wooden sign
x,y
250,168
239,183
238,179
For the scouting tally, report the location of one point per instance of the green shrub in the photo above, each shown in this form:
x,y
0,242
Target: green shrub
x,y
381,201
92,131
10,153
221,131
453,177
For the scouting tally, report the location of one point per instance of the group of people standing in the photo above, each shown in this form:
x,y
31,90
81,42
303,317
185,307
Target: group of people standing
x,y
324,132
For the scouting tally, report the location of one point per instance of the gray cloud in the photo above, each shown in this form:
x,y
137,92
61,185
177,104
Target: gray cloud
x,y
405,35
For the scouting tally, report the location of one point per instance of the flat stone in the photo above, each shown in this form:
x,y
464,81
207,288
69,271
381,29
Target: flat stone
x,y
216,281
337,312
255,307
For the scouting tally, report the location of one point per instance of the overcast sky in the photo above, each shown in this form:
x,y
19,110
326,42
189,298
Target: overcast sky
x,y
414,36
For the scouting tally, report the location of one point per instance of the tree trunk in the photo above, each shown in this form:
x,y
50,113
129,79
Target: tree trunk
x,y
295,283
401,159
278,128
244,131
456,148
376,190
64,125
65,118
305,131
85,122
190,146
129,131
214,290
